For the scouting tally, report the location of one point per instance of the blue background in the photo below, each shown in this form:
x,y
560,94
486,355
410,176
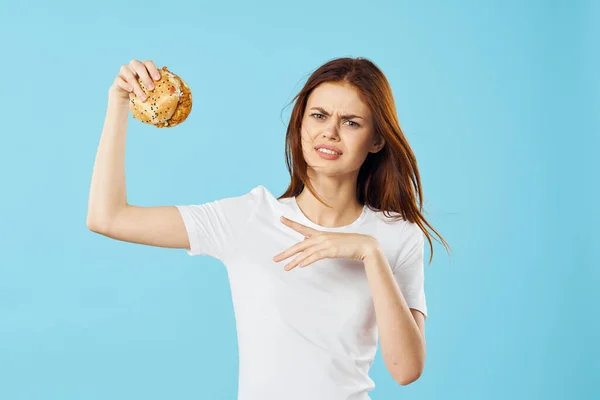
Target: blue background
x,y
499,101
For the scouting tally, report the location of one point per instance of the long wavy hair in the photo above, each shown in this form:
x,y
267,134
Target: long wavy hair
x,y
388,180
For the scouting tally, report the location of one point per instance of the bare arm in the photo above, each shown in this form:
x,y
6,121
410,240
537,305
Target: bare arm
x,y
108,194
108,211
160,226
401,329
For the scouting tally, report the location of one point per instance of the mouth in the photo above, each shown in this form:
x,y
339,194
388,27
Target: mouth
x,y
328,154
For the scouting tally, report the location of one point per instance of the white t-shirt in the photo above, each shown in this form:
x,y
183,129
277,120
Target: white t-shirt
x,y
308,333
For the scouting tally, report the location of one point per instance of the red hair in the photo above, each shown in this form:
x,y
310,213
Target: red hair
x,y
388,180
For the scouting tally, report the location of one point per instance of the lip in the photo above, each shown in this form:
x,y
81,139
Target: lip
x,y
327,156
325,146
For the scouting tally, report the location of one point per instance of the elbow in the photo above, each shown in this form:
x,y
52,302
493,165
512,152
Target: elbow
x,y
408,374
94,226
406,379
98,222
91,225
410,370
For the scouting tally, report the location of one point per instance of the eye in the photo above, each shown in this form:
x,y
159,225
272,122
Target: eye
x,y
318,116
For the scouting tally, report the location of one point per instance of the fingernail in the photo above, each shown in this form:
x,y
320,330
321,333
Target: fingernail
x,y
151,86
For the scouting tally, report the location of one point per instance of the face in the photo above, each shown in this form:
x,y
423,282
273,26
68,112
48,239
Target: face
x,y
336,116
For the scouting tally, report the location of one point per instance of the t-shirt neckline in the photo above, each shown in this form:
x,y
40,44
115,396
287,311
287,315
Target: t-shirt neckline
x,y
308,222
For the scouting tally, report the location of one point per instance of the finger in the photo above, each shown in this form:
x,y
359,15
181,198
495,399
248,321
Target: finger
x,y
151,67
308,258
122,83
317,255
305,230
129,76
142,73
300,246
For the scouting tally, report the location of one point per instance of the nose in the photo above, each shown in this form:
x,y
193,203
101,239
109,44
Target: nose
x,y
331,130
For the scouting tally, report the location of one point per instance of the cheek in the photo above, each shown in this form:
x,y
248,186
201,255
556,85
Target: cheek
x,y
307,134
308,128
359,149
305,140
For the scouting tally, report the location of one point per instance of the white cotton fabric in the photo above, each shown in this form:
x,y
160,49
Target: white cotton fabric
x,y
308,333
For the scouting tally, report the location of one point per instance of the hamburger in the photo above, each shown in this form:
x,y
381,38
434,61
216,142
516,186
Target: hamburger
x,y
167,105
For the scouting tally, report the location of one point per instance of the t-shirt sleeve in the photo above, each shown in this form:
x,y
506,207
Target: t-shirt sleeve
x,y
213,228
409,271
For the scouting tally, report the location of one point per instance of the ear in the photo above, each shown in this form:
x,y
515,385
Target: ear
x,y
378,144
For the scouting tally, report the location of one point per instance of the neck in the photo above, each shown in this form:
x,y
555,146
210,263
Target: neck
x,y
341,196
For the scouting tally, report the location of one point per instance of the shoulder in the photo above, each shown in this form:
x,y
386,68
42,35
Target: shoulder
x,y
393,224
237,205
400,226
256,198
246,196
258,195
404,238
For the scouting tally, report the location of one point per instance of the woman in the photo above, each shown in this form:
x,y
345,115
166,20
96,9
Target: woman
x,y
319,274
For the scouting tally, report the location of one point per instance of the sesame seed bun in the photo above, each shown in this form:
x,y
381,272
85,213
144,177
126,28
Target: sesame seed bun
x,y
167,105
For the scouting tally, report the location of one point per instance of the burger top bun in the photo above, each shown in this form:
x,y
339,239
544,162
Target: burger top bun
x,y
167,105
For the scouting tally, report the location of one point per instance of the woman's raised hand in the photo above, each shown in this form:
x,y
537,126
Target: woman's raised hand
x,y
126,80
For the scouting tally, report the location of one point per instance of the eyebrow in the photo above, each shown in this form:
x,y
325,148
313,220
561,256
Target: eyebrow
x,y
348,116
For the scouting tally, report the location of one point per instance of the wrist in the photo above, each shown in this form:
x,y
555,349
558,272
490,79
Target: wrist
x,y
372,249
115,97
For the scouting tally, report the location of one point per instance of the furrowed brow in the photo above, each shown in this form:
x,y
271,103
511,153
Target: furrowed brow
x,y
347,116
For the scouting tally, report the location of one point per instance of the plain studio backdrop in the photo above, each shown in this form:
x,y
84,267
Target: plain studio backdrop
x,y
499,101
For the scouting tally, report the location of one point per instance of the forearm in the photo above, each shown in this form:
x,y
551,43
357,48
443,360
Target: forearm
x,y
108,192
402,343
